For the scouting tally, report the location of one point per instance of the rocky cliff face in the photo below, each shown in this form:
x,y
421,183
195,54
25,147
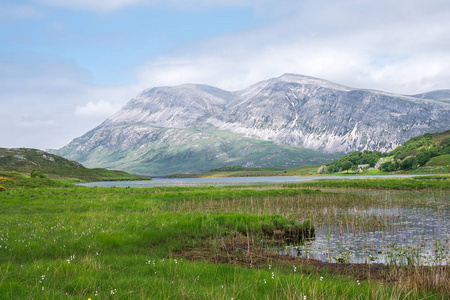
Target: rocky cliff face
x,y
288,113
316,114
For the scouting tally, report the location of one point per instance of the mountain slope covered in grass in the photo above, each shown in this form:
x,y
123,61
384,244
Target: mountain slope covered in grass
x,y
39,163
424,151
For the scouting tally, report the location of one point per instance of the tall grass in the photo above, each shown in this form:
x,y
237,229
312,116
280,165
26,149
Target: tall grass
x,y
60,241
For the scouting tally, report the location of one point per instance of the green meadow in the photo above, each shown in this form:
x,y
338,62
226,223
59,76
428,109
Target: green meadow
x,y
60,241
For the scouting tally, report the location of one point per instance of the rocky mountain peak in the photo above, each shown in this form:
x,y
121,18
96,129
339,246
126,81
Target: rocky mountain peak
x,y
291,111
173,107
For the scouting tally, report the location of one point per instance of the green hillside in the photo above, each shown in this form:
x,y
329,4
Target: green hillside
x,y
424,153
191,150
38,163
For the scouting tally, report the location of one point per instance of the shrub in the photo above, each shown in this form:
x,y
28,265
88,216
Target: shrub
x,y
389,166
37,174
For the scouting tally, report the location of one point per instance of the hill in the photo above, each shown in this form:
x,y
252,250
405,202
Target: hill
x,y
39,163
424,152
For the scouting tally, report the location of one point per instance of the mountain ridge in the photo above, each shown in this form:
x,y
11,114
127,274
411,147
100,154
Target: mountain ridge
x,y
293,111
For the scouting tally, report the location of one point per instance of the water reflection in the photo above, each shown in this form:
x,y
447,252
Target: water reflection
x,y
411,236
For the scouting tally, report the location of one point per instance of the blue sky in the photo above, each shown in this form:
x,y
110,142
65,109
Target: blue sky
x,y
66,65
109,45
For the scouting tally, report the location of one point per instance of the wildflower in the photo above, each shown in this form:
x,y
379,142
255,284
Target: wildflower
x,y
273,275
295,269
265,281
321,278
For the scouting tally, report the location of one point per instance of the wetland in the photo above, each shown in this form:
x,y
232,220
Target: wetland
x,y
361,239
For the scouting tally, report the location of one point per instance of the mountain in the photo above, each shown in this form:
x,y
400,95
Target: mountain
x,y
44,164
144,149
281,122
443,95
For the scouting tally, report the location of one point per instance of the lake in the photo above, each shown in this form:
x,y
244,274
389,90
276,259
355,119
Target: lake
x,y
228,180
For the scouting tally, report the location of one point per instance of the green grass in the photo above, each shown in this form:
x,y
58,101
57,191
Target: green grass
x,y
25,160
442,160
414,183
239,171
61,241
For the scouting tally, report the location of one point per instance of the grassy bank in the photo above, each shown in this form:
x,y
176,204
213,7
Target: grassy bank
x,y
63,241
412,183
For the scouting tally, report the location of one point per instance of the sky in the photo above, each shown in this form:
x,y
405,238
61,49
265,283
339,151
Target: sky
x,y
67,65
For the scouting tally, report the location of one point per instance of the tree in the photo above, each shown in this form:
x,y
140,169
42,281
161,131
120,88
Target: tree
x,y
409,163
346,165
423,156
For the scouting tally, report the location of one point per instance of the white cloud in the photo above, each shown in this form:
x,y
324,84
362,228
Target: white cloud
x,y
46,105
99,109
370,44
38,124
398,46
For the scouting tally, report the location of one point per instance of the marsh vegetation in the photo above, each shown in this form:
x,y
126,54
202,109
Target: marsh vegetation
x,y
64,241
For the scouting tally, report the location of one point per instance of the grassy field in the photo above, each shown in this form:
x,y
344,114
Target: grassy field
x,y
238,171
72,242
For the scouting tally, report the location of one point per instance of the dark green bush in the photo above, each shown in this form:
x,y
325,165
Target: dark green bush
x,y
37,174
